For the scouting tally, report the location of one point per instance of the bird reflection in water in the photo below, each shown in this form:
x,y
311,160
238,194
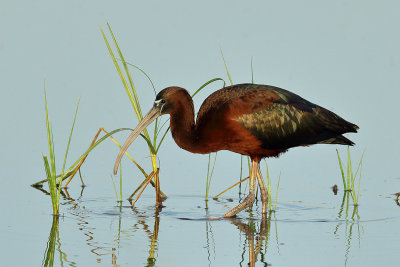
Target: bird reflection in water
x,y
255,240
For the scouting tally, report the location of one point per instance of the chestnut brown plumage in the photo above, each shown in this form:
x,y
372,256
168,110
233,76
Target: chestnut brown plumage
x,y
254,120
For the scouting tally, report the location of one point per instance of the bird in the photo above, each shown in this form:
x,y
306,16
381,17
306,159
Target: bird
x,y
259,121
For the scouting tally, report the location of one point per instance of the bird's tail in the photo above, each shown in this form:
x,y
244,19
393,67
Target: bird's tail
x,y
340,140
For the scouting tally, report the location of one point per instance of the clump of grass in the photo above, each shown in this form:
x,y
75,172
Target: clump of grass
x,y
55,181
130,89
50,168
349,179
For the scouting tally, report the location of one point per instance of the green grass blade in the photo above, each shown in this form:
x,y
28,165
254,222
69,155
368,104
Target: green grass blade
x,y
52,184
70,136
359,185
151,147
49,137
115,188
162,126
212,170
277,188
52,154
120,182
152,85
132,96
47,169
51,168
207,83
209,175
119,199
252,72
126,86
348,167
268,187
360,163
147,76
354,201
226,67
341,170
56,189
162,139
249,165
155,133
154,89
352,177
132,88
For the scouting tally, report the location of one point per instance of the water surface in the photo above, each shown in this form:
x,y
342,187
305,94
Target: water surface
x,y
96,230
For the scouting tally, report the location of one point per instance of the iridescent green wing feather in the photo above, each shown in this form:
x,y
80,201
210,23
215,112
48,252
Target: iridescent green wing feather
x,y
292,121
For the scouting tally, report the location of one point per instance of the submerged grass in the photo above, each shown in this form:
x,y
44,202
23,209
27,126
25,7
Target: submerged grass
x,y
349,179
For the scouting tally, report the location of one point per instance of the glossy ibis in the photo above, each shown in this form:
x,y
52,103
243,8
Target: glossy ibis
x,y
254,120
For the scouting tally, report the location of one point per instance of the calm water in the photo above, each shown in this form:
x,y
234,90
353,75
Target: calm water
x,y
96,231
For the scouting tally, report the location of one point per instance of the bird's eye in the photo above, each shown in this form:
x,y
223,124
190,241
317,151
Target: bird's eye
x,y
163,101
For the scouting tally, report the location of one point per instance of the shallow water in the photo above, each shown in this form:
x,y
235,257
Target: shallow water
x,y
99,231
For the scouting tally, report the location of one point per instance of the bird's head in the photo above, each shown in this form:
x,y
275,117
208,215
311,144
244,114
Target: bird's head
x,y
166,101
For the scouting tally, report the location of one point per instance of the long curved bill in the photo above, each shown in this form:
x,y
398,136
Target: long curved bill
x,y
153,114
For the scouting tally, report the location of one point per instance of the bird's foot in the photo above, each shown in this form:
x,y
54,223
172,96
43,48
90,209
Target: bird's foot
x,y
247,202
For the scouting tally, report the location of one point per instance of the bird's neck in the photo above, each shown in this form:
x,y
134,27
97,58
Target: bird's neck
x,y
183,126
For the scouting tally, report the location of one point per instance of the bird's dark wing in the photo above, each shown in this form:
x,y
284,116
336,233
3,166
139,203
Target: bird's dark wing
x,y
287,120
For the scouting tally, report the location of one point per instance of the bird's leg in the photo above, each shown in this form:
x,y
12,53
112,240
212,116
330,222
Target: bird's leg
x,y
249,200
263,190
